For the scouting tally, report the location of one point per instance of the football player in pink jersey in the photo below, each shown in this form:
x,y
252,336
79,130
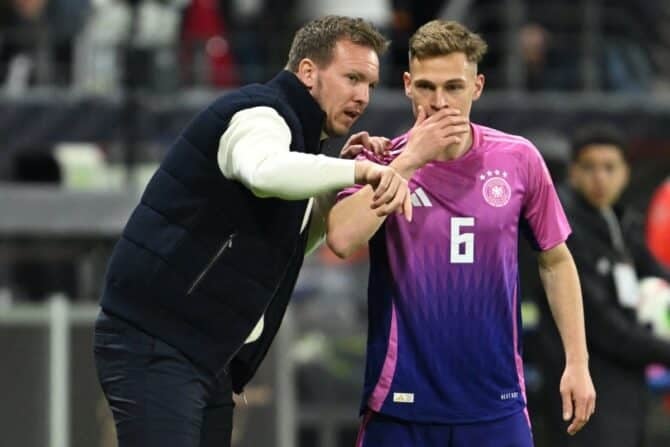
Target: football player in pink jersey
x,y
444,362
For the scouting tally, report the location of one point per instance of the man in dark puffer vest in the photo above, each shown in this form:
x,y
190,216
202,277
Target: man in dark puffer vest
x,y
197,286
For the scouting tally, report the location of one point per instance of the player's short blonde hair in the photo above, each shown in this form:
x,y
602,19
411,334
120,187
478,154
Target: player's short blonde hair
x,y
443,37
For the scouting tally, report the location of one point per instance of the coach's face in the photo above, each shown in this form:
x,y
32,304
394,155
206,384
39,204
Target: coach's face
x,y
343,87
448,81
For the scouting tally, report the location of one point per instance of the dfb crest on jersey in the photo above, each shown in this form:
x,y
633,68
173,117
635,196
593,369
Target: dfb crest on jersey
x,y
496,190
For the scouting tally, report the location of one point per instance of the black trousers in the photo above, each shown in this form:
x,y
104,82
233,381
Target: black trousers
x,y
157,396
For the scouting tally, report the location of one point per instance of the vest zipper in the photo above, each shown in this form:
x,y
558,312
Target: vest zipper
x,y
226,369
226,245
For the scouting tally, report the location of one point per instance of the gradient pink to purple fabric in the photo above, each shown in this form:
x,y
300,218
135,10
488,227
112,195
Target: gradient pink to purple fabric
x,y
444,314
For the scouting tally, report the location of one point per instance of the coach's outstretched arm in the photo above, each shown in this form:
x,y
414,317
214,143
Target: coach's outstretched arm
x,y
254,150
561,284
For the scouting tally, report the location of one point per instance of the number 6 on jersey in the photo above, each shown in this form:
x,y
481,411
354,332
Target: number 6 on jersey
x,y
462,243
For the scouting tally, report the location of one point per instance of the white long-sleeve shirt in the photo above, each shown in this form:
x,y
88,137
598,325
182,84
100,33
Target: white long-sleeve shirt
x,y
255,150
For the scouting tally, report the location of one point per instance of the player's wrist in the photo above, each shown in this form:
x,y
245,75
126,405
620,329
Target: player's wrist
x,y
405,166
361,170
577,359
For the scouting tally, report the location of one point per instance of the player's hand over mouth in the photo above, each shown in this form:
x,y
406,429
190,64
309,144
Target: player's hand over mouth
x,y
431,136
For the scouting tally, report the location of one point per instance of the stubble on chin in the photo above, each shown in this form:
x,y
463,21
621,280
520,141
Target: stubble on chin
x,y
332,132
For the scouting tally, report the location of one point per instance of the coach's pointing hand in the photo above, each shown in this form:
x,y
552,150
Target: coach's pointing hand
x,y
391,192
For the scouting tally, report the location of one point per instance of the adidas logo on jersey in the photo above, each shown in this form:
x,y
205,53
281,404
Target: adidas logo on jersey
x,y
419,198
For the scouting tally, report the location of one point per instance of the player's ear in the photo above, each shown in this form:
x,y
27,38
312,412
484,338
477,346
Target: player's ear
x,y
480,80
407,80
307,72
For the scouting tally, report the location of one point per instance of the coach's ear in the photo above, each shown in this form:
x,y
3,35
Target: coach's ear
x,y
307,72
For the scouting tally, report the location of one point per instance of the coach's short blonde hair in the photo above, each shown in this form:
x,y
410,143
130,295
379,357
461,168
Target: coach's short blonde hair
x,y
443,37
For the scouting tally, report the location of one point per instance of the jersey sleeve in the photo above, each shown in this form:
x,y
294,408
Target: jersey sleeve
x,y
547,225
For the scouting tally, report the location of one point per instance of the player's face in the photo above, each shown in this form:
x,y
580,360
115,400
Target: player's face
x,y
600,174
443,81
343,87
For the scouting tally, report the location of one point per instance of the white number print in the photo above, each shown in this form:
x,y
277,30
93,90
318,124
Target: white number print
x,y
462,243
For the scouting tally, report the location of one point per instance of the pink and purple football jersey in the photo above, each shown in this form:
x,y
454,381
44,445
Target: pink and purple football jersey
x,y
443,294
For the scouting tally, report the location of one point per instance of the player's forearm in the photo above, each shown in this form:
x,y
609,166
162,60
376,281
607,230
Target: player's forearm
x,y
351,223
561,283
317,224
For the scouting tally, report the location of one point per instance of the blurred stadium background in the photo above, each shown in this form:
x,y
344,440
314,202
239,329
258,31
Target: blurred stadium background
x,y
93,91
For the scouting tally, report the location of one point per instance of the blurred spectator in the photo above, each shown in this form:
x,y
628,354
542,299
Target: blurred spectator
x,y
22,34
130,43
206,47
260,31
36,39
658,224
543,37
249,33
533,40
548,66
609,250
659,45
552,45
406,17
588,44
98,66
627,32
610,45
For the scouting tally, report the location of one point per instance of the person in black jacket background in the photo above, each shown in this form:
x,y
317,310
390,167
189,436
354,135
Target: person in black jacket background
x,y
609,250
197,286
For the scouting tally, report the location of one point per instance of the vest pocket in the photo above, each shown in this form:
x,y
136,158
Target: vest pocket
x,y
228,243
